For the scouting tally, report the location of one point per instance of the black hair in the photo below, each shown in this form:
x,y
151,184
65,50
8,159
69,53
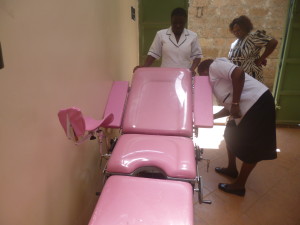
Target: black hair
x,y
244,22
204,65
179,12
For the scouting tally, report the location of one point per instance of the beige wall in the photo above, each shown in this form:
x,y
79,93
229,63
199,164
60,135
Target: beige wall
x,y
57,54
211,19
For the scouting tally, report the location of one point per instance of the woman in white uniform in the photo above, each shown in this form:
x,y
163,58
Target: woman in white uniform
x,y
250,133
178,47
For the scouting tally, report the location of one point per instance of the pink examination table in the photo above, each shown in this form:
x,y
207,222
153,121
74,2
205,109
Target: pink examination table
x,y
153,168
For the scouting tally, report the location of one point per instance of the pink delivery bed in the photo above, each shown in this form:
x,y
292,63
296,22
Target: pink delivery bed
x,y
136,200
157,130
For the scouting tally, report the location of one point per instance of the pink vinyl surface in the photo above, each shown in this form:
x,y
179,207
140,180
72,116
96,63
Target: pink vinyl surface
x,y
92,124
116,103
160,102
80,124
174,155
135,200
75,118
203,102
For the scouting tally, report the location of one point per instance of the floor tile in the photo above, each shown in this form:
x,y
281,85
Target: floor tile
x,y
272,191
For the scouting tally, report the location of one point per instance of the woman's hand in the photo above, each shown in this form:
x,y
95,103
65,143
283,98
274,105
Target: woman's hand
x,y
194,66
261,62
222,113
135,68
269,49
193,72
148,62
235,111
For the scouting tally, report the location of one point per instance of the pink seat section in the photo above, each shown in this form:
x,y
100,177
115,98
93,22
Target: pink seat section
x,y
160,102
135,200
116,103
203,102
172,154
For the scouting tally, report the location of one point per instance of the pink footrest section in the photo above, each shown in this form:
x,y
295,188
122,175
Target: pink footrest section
x,y
135,200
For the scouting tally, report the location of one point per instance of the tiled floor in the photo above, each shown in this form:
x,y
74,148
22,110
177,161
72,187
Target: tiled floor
x,y
272,191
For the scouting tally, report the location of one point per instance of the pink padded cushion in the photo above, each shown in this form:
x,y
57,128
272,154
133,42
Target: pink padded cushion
x,y
203,102
160,102
174,155
75,118
79,123
136,200
116,103
92,124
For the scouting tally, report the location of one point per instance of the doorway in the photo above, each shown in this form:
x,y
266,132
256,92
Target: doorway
x,y
287,85
154,15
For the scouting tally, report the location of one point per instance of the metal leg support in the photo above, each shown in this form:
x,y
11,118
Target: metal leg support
x,y
199,188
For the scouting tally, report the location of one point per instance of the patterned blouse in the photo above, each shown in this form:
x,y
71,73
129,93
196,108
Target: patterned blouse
x,y
244,52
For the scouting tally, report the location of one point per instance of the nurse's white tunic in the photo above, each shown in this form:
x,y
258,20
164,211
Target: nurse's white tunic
x,y
176,55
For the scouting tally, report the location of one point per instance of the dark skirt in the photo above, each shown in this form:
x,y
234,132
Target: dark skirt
x,y
254,139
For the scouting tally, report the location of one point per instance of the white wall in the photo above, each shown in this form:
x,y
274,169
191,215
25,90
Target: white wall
x,y
57,54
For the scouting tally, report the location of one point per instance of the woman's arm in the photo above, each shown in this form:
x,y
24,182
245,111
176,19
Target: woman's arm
x,y
155,48
148,62
238,80
195,64
268,51
222,113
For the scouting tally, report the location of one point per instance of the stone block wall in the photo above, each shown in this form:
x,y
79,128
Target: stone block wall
x,y
210,19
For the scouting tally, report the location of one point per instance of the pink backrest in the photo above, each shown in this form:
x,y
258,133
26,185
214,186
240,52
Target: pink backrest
x,y
203,102
160,102
116,103
72,119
